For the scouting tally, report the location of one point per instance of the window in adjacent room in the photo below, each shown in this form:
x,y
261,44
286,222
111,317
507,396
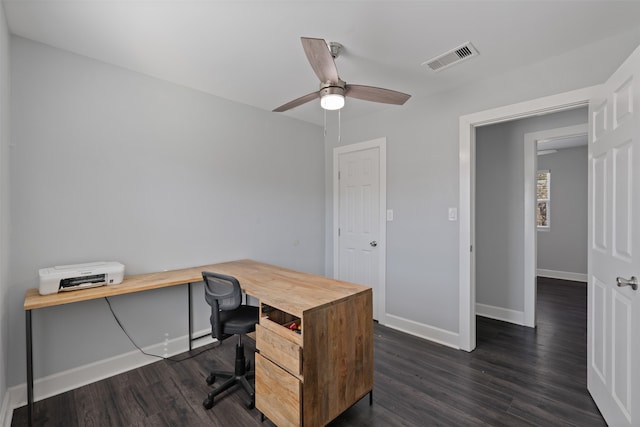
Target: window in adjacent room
x,y
543,191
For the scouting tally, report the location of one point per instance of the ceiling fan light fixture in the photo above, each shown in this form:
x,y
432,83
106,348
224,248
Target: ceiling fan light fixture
x,y
332,101
332,95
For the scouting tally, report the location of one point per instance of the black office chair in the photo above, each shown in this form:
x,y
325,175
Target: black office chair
x,y
229,317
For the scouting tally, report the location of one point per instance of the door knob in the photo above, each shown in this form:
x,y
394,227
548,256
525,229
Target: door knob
x,y
373,243
633,282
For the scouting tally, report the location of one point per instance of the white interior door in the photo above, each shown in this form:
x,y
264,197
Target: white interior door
x,y
613,343
360,240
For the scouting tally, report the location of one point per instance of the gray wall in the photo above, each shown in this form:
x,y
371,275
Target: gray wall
x,y
181,158
422,280
4,201
500,217
564,247
500,206
114,165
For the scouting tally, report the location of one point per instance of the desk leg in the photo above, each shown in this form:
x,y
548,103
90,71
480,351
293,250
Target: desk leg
x,y
29,369
190,315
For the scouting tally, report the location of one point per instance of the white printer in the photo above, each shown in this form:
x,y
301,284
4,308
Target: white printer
x,y
79,276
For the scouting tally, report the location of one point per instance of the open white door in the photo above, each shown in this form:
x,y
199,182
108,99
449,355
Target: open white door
x,y
613,343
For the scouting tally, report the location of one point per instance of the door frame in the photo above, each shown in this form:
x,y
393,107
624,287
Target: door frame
x,y
530,230
467,179
381,144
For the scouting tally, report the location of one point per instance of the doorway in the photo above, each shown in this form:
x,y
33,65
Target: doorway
x,y
505,215
468,125
561,245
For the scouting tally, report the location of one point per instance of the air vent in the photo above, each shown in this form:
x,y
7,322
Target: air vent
x,y
452,57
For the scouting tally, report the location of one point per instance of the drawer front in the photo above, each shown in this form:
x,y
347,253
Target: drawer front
x,y
281,330
278,393
280,350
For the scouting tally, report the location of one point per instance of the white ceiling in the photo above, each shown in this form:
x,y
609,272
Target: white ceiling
x,y
250,51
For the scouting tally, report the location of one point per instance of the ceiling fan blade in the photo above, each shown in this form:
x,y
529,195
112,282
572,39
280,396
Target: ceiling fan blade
x,y
302,100
320,59
376,94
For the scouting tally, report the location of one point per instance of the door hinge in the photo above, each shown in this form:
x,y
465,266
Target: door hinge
x,y
338,231
338,175
471,248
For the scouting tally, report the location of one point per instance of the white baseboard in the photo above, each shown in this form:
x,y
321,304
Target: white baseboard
x,y
61,382
5,414
564,275
431,333
499,313
12,403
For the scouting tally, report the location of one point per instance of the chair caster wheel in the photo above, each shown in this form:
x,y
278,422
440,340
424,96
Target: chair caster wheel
x,y
250,404
208,403
211,379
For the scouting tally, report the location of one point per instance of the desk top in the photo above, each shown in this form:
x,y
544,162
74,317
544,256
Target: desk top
x,y
289,290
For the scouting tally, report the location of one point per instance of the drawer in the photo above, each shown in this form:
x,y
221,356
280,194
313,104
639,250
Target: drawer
x,y
280,350
278,393
280,326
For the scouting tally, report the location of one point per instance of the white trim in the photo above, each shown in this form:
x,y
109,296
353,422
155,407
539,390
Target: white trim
x,y
381,145
500,313
6,415
12,403
468,123
431,333
563,132
466,255
82,375
564,275
530,237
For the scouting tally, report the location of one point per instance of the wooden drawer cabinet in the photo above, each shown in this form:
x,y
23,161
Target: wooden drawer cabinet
x,y
308,378
278,393
281,350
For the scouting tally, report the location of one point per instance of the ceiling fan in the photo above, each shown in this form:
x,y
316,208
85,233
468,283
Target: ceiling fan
x,y
333,89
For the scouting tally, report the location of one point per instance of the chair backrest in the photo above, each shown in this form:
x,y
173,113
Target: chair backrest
x,y
222,293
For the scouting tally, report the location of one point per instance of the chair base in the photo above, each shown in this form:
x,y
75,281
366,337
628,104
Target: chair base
x,y
241,375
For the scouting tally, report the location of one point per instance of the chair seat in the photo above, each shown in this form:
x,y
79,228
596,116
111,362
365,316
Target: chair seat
x,y
239,321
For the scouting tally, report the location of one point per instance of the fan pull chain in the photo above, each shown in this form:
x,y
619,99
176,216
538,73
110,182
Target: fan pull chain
x,y
325,122
339,125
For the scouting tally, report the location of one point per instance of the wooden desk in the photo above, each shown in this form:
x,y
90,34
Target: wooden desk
x,y
301,379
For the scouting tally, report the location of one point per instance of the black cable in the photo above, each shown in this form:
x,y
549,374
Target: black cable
x,y
171,359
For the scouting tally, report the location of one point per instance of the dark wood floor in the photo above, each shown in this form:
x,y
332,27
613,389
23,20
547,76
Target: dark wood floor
x,y
517,376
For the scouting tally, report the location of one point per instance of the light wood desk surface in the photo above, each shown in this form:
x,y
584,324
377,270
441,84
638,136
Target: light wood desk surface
x,y
292,291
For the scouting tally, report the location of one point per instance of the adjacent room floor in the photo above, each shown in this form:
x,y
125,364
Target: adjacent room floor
x,y
517,376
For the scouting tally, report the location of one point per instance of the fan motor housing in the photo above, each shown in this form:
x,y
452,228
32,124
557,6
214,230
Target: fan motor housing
x,y
332,88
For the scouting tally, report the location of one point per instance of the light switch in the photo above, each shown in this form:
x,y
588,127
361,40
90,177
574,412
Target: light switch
x,y
389,214
453,214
